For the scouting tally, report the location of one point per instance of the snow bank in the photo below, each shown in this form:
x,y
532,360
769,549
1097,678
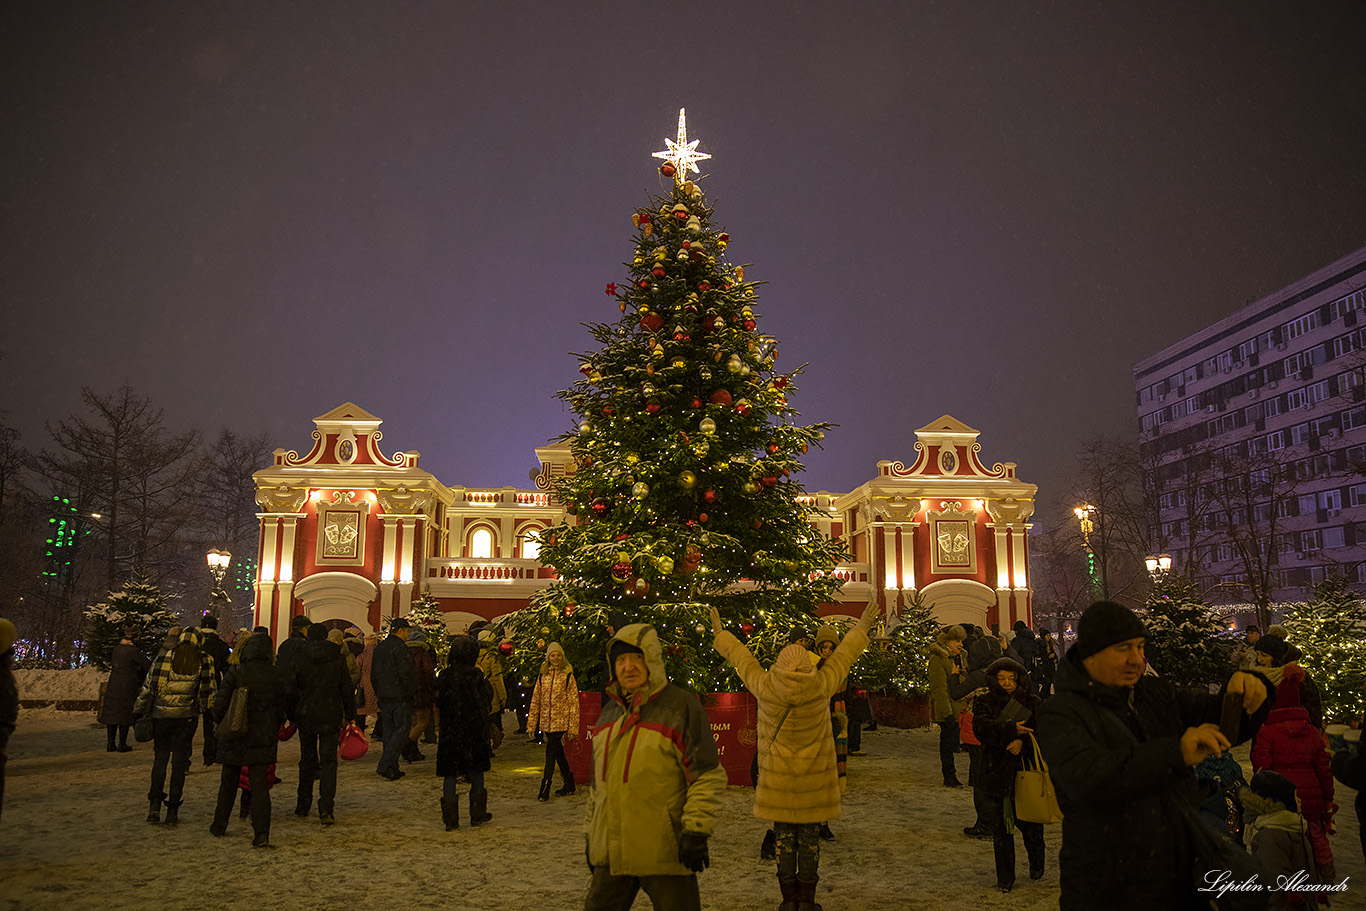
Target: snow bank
x,y
81,684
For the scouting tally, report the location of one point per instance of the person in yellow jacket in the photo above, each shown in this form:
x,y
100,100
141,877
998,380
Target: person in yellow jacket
x,y
798,787
657,784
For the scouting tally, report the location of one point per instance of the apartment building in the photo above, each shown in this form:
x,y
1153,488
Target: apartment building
x,y
1275,389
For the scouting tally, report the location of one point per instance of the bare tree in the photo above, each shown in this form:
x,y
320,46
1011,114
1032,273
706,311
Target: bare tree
x,y
122,464
228,510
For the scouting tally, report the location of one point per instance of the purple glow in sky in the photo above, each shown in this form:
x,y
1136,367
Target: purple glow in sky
x,y
254,212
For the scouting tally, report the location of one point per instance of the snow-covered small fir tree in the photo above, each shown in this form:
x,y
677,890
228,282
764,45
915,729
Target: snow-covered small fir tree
x,y
1330,631
1185,642
426,615
139,605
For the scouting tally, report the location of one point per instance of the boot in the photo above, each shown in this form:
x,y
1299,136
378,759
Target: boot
x,y
479,807
806,896
246,804
412,753
568,785
789,895
261,840
173,812
826,834
545,790
304,804
123,739
154,807
109,748
769,849
450,812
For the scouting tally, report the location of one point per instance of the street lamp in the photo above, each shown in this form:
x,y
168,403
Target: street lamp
x,y
1159,566
1083,514
218,567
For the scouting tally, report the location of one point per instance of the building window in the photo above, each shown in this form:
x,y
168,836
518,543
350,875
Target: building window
x,y
1311,539
481,544
1330,499
1297,327
1334,537
531,547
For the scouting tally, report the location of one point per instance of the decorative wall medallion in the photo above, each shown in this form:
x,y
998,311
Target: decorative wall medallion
x,y
341,530
346,447
948,461
953,531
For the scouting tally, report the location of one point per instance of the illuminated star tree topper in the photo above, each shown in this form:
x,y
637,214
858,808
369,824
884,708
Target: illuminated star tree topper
x,y
682,153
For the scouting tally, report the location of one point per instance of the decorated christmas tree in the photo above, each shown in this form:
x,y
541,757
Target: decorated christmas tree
x,y
426,615
1186,642
139,605
684,492
1330,631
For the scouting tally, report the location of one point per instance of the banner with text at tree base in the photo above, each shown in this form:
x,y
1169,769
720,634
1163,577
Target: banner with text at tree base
x,y
684,492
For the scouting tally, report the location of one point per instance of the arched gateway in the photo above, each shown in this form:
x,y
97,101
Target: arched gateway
x,y
349,533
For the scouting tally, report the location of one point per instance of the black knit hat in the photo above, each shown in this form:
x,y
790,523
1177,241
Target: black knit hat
x,y
1274,646
1275,786
300,622
1103,624
619,648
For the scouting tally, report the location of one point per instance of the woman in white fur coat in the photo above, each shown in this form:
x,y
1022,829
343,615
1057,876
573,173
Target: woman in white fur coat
x,y
798,786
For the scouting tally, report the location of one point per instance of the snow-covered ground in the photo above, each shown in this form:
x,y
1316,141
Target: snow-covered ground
x,y
72,836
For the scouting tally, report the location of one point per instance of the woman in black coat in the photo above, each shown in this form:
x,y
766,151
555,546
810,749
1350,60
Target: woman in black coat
x,y
256,748
462,699
1003,720
127,667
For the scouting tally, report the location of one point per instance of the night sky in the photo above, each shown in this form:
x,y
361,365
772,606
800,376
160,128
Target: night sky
x,y
253,212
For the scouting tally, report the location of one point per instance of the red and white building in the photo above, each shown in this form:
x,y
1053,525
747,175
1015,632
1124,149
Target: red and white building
x,y
350,533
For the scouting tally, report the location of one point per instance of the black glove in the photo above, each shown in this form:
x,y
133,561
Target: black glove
x,y
692,851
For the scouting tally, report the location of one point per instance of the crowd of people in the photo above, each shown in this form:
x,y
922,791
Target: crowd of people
x,y
1151,800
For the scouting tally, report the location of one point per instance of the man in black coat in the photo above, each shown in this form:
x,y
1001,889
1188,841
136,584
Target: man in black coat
x,y
322,700
393,676
1120,746
290,648
219,651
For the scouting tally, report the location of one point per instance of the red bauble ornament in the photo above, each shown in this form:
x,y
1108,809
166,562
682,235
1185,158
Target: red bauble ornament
x,y
772,448
658,271
723,237
696,402
702,517
769,480
709,496
780,382
720,397
742,409
621,572
505,648
704,286
607,411
652,407
652,322
667,169
644,283
599,507
747,628
749,325
585,369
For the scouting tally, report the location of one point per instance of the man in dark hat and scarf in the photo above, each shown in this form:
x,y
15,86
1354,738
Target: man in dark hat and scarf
x,y
1120,746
